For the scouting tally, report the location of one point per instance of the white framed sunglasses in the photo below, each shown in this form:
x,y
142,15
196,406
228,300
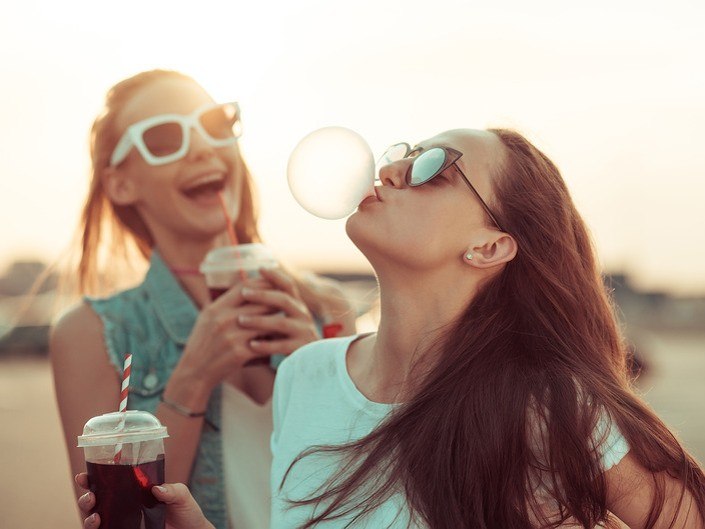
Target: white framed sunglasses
x,y
166,138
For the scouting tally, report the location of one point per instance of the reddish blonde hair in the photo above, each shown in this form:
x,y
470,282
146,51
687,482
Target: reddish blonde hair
x,y
115,234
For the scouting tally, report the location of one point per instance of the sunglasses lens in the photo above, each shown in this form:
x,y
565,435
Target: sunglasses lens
x,y
222,122
426,166
393,154
163,139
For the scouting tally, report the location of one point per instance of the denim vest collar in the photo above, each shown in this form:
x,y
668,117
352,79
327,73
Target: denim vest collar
x,y
173,306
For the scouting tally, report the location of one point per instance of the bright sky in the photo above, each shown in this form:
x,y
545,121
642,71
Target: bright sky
x,y
614,92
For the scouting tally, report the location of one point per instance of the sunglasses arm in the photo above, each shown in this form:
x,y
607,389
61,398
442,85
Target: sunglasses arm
x,y
121,149
482,202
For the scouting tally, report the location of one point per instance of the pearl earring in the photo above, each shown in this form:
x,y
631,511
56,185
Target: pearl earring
x,y
468,256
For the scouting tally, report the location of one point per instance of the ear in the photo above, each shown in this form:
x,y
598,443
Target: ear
x,y
490,250
119,186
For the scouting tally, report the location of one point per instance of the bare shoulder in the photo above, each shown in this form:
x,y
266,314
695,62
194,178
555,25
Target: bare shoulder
x,y
85,381
78,335
81,366
79,316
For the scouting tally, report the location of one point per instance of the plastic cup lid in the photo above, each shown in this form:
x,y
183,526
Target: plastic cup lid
x,y
121,427
243,256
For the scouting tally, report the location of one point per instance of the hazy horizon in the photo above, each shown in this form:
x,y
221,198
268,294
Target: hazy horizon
x,y
613,93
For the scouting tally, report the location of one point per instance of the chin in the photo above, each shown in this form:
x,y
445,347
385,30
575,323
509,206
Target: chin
x,y
354,230
370,241
386,251
203,230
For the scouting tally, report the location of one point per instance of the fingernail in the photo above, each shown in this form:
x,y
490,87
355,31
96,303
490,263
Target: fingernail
x,y
160,488
92,518
255,343
244,319
84,498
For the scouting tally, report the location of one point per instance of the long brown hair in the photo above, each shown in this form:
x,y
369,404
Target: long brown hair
x,y
111,234
538,349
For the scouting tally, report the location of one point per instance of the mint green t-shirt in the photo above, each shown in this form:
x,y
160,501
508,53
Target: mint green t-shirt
x,y
316,403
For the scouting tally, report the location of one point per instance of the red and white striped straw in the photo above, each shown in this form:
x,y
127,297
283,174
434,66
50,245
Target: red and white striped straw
x,y
127,369
231,233
228,220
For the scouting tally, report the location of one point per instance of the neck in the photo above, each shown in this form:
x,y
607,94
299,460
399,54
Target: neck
x,y
416,311
187,254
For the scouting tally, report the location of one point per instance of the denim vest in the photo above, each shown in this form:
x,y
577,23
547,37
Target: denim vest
x,y
153,322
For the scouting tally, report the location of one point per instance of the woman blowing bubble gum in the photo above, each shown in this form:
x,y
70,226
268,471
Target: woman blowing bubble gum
x,y
495,393
163,152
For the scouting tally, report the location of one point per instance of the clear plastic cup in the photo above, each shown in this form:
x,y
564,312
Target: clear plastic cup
x,y
226,266
124,454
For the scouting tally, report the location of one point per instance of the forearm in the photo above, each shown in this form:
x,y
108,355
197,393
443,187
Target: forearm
x,y
328,302
184,432
341,312
685,512
547,516
632,492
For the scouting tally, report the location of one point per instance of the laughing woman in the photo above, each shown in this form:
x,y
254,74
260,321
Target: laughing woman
x,y
161,152
495,393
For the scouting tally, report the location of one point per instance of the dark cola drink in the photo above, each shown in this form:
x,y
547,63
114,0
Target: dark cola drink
x,y
217,292
124,454
124,498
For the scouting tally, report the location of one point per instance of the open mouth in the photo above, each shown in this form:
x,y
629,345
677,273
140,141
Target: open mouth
x,y
206,187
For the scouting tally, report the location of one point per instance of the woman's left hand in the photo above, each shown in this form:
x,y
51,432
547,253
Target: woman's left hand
x,y
292,325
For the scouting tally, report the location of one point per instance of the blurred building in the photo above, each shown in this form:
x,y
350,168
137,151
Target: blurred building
x,y
27,307
28,302
656,310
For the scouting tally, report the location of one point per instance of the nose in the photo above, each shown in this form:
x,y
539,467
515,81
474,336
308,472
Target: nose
x,y
394,174
199,148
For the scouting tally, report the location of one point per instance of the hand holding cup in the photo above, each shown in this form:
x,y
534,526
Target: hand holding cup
x,y
218,345
124,453
290,326
182,511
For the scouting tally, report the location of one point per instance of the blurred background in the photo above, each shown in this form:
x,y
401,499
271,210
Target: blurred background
x,y
613,92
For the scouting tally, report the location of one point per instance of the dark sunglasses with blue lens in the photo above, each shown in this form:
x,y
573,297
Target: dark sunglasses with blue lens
x,y
429,164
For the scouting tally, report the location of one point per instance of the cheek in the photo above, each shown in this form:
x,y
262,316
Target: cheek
x,y
235,168
157,183
230,156
437,230
426,232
